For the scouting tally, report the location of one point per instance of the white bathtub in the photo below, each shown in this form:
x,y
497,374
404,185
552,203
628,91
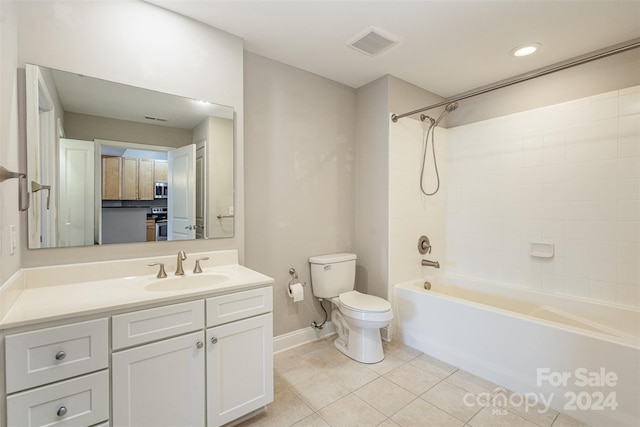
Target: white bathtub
x,y
583,357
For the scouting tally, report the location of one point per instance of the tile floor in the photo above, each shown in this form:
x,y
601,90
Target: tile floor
x,y
316,385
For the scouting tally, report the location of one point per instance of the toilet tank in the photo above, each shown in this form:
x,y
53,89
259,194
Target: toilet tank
x,y
332,274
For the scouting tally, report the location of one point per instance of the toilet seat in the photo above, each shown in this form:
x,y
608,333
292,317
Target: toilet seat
x,y
360,306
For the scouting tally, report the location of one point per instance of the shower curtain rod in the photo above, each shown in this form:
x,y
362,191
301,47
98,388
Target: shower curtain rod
x,y
579,60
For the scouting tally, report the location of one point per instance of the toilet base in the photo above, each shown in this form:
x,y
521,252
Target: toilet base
x,y
363,345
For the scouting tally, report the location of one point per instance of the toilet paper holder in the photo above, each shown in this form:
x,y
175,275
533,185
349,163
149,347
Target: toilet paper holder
x,y
294,279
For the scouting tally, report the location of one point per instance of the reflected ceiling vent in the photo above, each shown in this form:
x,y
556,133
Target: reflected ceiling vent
x,y
157,119
373,41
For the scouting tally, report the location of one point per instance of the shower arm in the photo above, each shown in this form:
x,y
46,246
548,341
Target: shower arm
x,y
579,60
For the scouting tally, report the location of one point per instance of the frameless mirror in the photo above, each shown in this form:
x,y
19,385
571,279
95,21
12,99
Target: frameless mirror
x,y
111,163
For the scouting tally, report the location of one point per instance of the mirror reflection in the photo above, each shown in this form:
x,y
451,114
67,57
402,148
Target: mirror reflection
x,y
111,163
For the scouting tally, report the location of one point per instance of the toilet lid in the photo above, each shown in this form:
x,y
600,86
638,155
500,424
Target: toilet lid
x,y
363,302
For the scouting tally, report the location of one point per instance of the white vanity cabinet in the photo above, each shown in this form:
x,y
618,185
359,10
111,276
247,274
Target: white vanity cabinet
x,y
57,376
200,362
239,354
160,383
163,379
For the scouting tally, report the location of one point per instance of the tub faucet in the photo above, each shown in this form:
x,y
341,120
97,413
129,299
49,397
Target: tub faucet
x,y
427,263
181,257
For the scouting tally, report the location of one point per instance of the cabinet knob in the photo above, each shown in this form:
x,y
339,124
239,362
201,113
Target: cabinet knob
x,y
199,344
60,356
214,340
62,411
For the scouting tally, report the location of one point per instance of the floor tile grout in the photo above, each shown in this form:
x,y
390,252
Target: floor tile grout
x,y
321,351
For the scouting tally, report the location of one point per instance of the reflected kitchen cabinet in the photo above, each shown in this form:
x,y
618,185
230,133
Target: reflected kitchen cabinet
x,y
129,179
161,171
111,167
125,178
145,179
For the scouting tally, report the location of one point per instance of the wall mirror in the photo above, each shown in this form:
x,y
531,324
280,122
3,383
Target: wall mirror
x,y
111,163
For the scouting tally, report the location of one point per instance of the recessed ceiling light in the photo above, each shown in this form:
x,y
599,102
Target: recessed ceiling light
x,y
526,49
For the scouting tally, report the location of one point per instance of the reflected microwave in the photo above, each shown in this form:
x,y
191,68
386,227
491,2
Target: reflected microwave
x,y
161,190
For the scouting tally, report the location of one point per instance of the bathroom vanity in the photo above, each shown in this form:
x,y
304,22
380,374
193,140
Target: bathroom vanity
x,y
137,350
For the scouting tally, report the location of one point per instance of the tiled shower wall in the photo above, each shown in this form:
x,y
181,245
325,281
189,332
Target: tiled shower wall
x,y
567,174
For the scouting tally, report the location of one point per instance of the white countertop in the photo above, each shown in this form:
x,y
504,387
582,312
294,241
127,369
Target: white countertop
x,y
61,301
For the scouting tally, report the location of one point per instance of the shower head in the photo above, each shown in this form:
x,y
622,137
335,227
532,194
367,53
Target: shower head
x,y
449,108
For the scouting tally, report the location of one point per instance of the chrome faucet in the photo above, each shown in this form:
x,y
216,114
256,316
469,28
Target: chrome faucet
x,y
427,263
181,257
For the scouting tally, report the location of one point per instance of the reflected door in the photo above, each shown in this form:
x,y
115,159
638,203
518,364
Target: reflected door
x,y
181,202
76,216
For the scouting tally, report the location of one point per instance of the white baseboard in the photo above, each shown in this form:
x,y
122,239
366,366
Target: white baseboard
x,y
302,336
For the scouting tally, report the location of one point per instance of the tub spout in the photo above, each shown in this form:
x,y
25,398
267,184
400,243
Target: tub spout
x,y
427,263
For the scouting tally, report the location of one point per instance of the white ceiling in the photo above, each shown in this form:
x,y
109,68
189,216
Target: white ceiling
x,y
103,98
447,46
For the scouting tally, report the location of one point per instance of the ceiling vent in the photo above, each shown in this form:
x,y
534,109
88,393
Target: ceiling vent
x,y
373,41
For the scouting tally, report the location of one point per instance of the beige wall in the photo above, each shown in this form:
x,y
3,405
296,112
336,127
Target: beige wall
x,y
88,128
9,156
105,40
372,188
300,177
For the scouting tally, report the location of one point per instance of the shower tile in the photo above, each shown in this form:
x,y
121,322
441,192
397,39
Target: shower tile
x,y
629,126
608,128
628,273
602,291
628,295
629,189
627,231
629,104
629,146
628,210
604,149
604,107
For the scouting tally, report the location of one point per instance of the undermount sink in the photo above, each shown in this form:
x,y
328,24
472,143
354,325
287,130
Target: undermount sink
x,y
183,283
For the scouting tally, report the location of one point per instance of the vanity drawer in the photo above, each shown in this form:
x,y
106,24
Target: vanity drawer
x,y
239,305
82,401
156,323
46,355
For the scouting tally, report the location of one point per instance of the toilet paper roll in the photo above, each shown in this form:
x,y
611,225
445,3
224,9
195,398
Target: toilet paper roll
x,y
296,292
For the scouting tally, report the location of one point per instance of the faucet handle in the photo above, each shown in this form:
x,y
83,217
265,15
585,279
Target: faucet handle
x,y
197,268
161,273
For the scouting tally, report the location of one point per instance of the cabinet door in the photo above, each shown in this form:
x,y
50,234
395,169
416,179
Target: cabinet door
x,y
239,368
160,384
129,178
145,179
161,171
111,178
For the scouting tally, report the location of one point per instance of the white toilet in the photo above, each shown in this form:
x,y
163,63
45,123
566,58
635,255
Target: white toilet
x,y
357,317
